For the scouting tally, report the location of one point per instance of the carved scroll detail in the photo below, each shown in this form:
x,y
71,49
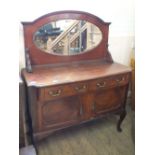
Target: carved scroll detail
x,y
108,56
28,61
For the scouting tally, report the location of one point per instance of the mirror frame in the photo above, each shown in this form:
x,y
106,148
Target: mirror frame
x,y
61,31
38,57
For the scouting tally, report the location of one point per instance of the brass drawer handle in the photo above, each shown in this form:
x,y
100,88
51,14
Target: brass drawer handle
x,y
101,85
55,93
120,80
79,89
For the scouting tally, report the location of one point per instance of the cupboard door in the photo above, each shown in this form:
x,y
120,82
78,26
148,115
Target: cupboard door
x,y
61,112
108,99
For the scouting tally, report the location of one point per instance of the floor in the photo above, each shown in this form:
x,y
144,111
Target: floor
x,y
95,138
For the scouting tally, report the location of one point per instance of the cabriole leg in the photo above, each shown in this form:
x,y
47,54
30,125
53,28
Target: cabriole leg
x,y
122,116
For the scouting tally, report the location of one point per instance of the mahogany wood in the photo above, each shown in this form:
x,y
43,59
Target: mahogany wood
x,y
69,90
22,118
73,72
38,57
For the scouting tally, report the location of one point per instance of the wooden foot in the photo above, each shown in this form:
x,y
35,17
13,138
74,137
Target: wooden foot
x,y
122,116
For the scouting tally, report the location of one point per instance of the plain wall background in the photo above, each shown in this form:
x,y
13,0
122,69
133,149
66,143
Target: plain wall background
x,y
120,13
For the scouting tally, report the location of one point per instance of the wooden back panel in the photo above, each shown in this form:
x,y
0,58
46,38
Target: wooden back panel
x,y
39,57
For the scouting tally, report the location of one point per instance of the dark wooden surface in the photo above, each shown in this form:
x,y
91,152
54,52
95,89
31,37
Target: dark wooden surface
x,y
73,72
22,115
102,102
69,90
39,57
51,112
94,138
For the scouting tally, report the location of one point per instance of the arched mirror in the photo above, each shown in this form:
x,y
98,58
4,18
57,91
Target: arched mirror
x,y
67,37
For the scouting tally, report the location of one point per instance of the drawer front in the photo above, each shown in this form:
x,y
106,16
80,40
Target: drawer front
x,y
80,87
109,82
55,92
99,84
120,80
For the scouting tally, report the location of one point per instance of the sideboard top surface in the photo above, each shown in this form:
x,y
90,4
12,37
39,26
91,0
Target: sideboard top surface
x,y
54,75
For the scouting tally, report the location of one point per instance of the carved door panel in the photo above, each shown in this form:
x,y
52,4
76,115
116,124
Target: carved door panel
x,y
109,99
61,112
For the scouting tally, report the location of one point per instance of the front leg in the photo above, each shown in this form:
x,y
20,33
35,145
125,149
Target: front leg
x,y
122,116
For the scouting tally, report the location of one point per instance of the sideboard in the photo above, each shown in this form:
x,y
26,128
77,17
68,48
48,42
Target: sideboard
x,y
70,75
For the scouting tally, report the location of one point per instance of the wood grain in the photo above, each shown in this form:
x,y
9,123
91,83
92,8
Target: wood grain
x,y
38,57
94,138
54,75
69,90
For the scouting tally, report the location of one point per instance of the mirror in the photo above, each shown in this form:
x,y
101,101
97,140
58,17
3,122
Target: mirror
x,y
67,37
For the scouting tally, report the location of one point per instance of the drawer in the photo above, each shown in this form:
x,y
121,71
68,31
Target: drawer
x,y
101,83
55,92
120,80
109,82
80,87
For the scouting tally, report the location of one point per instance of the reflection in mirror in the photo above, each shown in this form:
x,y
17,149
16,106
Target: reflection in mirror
x,y
67,37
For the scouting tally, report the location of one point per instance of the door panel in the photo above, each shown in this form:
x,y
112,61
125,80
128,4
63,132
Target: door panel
x,y
61,112
109,99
